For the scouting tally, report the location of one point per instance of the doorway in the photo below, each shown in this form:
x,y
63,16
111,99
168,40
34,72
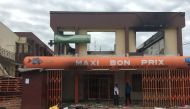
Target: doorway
x,y
98,86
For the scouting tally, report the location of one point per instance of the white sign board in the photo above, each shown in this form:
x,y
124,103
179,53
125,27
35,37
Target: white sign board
x,y
27,81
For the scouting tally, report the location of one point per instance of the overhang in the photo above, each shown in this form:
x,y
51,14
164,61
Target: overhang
x,y
116,63
140,21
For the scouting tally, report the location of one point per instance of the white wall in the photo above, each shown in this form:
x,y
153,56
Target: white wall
x,y
170,39
7,38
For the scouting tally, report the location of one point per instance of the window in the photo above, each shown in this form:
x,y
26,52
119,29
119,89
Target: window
x,y
102,42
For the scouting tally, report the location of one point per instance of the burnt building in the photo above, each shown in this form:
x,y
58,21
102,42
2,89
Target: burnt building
x,y
67,82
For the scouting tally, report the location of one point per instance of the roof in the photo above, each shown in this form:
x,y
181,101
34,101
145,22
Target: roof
x,y
110,20
32,36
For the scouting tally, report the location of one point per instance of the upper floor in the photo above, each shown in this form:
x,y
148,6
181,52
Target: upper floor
x,y
125,25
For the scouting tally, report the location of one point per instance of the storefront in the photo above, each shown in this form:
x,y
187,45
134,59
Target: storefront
x,y
156,81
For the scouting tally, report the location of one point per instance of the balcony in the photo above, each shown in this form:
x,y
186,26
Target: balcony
x,y
7,54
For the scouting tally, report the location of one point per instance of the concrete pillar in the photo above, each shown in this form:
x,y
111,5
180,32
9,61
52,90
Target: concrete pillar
x,y
81,87
119,78
179,42
64,49
126,41
82,47
68,86
128,77
56,49
132,41
76,88
170,42
120,42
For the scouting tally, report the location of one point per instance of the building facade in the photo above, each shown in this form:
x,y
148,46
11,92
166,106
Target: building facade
x,y
125,26
8,40
91,83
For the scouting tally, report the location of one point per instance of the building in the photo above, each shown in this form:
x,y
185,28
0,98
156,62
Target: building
x,y
10,87
30,45
8,40
80,75
153,46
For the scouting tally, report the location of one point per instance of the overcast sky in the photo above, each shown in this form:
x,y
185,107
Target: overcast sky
x,y
33,15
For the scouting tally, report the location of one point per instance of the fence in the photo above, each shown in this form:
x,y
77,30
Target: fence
x,y
54,79
10,93
166,88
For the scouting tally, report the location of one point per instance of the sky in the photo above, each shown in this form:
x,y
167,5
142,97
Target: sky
x,y
34,15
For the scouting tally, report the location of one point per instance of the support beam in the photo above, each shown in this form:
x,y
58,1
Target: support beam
x,y
76,88
120,42
170,42
82,47
126,41
179,42
76,44
132,41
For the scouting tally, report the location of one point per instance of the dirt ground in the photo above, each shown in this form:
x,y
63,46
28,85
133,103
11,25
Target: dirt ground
x,y
14,103
111,106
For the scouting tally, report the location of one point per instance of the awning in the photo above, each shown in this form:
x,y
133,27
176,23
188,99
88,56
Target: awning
x,y
86,63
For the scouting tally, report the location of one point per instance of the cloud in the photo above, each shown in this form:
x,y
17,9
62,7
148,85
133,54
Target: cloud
x,y
33,15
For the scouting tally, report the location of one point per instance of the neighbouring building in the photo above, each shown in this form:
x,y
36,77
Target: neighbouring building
x,y
30,45
64,82
153,46
8,40
10,87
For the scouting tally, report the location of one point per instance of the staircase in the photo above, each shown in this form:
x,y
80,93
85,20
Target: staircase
x,y
3,72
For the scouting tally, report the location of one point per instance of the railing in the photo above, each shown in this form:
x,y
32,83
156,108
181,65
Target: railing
x,y
10,93
166,88
7,54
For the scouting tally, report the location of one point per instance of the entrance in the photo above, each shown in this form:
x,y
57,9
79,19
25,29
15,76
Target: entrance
x,y
98,86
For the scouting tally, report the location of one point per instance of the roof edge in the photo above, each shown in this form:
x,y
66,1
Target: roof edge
x,y
103,12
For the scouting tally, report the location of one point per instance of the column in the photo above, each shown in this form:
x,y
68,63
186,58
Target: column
x,y
179,42
132,41
126,41
76,88
119,78
82,47
120,42
170,42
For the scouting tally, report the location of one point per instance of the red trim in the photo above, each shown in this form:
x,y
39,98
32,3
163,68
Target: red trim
x,y
88,63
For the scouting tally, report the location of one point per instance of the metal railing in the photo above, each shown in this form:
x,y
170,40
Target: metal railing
x,y
7,54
